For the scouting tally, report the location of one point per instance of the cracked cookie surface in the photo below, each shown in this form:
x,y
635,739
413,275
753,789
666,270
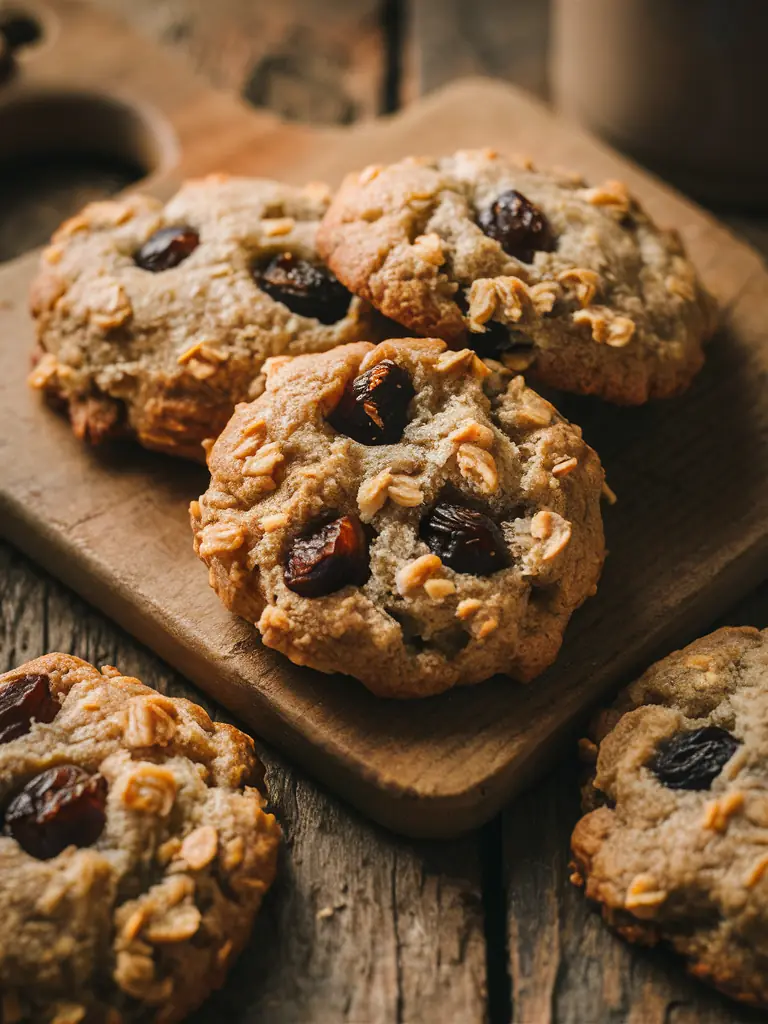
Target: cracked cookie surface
x,y
676,849
396,513
134,851
573,284
154,320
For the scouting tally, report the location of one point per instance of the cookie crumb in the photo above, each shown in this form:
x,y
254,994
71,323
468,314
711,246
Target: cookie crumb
x,y
478,467
756,872
199,848
468,607
416,573
403,490
585,283
475,433
718,813
437,589
644,893
264,463
150,788
278,227
613,195
565,467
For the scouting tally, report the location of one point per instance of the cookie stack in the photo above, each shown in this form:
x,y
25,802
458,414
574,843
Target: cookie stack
x,y
389,497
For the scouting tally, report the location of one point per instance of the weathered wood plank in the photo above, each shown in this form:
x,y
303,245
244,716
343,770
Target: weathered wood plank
x,y
753,229
451,38
360,927
316,63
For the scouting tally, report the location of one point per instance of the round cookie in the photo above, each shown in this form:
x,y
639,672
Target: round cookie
x,y
573,284
677,847
155,320
394,513
134,852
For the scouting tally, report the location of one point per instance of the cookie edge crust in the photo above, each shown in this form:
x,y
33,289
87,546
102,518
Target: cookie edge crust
x,y
356,259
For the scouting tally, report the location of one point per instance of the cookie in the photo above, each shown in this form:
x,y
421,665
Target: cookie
x,y
389,513
154,321
572,284
134,850
677,849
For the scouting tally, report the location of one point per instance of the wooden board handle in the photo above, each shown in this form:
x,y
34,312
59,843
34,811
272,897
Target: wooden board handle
x,y
92,84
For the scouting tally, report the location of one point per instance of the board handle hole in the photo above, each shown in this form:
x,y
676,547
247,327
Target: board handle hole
x,y
63,150
19,28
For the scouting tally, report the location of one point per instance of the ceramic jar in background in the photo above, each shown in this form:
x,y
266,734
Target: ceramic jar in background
x,y
680,85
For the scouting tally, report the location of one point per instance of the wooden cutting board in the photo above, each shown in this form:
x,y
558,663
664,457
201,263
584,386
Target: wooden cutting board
x,y
688,536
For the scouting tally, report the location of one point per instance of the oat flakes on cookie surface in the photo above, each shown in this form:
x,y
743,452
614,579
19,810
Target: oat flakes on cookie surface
x,y
134,850
389,513
677,851
571,283
155,320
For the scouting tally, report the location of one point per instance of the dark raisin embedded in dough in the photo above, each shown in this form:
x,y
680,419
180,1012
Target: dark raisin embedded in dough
x,y
308,289
520,228
466,540
693,759
374,408
64,806
167,248
329,558
23,699
498,340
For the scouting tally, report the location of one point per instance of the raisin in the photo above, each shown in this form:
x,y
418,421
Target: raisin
x,y
308,289
693,759
517,225
63,806
374,407
329,558
23,699
466,540
167,248
499,339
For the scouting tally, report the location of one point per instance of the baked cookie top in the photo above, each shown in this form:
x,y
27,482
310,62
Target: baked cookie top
x,y
571,283
155,320
134,850
389,513
678,851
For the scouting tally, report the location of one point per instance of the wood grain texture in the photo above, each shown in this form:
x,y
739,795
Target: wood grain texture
x,y
450,38
565,965
360,927
322,64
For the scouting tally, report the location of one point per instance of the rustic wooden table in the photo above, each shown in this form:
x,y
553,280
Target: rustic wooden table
x,y
362,926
